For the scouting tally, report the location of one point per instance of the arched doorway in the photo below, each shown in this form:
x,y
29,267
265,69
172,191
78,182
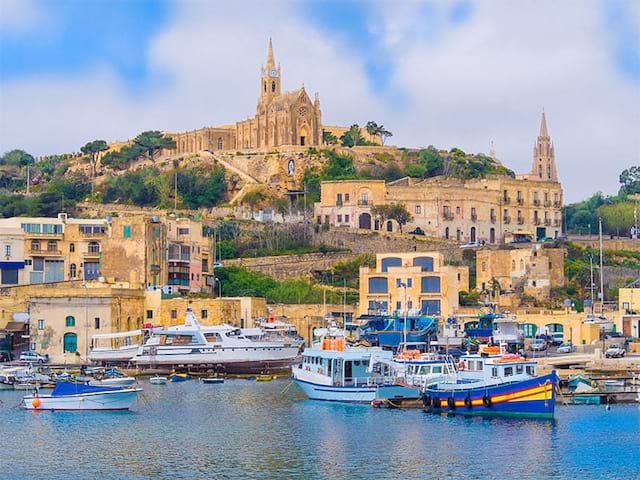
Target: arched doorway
x,y
389,226
364,221
473,234
446,233
70,343
492,235
529,329
303,137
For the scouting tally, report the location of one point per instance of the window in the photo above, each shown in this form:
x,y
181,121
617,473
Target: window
x,y
94,247
38,264
9,276
204,314
149,314
41,324
398,305
70,321
483,266
430,307
519,369
96,323
409,282
513,265
339,199
339,218
398,282
52,246
378,285
72,270
346,219
70,343
126,231
220,143
430,285
72,247
390,262
183,231
174,314
494,372
418,209
7,250
346,197
35,245
508,371
457,210
409,305
530,370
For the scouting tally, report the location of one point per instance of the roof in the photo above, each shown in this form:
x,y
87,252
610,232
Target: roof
x,y
15,327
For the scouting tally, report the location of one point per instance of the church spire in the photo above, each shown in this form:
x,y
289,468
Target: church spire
x,y
543,126
270,59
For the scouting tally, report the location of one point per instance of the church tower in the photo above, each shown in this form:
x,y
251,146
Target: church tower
x,y
270,78
544,162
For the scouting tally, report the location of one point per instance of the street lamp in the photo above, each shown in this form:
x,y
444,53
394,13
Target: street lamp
x,y
217,280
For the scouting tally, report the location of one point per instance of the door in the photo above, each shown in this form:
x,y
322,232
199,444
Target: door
x,y
70,342
348,371
492,235
541,233
473,234
364,221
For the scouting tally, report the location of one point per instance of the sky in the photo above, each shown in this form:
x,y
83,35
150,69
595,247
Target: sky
x,y
456,73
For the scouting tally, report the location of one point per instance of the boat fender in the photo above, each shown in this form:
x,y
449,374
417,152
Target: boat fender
x,y
426,400
435,401
486,400
468,402
451,403
461,366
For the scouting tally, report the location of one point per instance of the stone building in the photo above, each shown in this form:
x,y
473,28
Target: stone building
x,y
411,282
491,210
282,118
534,270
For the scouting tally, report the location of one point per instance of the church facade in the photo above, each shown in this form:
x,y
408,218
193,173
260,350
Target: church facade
x,y
289,118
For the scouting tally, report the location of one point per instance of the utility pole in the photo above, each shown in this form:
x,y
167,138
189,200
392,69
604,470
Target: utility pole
x,y
601,269
592,284
28,180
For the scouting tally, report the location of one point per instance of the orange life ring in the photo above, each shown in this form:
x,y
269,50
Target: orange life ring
x,y
461,366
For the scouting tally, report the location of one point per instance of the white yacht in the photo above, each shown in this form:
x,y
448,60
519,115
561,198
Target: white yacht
x,y
220,346
115,347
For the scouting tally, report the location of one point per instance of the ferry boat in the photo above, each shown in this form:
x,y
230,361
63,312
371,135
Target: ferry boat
x,y
492,382
333,371
223,347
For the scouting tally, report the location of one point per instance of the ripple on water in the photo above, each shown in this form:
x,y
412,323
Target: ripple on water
x,y
255,430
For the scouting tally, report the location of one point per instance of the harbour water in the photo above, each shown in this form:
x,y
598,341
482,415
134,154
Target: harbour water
x,y
243,429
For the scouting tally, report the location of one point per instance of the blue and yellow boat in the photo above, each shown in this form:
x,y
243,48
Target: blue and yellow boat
x,y
494,383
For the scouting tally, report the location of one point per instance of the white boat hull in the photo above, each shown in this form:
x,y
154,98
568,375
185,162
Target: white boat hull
x,y
315,391
158,380
107,355
111,400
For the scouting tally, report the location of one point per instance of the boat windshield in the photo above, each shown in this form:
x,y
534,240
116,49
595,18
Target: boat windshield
x,y
213,337
175,339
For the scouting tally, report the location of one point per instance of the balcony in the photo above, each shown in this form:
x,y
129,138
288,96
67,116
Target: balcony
x,y
536,221
44,253
547,203
448,216
557,204
520,220
179,258
365,203
547,222
506,220
536,202
91,253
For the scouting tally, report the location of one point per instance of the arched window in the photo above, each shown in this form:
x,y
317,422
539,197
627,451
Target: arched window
x,y
35,245
513,265
70,343
273,86
94,247
446,233
390,262
425,263
70,321
72,247
72,270
219,143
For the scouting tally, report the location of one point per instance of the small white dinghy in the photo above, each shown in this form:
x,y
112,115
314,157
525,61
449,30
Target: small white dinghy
x,y
114,382
76,396
157,380
212,380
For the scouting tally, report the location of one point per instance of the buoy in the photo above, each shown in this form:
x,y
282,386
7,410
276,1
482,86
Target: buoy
x,y
36,403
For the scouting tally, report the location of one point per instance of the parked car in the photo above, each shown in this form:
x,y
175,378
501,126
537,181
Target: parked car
x,y
218,265
566,348
521,240
471,245
615,350
614,336
33,357
417,231
546,338
557,338
538,345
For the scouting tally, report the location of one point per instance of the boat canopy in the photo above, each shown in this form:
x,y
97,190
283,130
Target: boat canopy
x,y
66,388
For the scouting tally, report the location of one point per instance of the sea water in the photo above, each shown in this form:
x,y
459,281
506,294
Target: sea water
x,y
244,429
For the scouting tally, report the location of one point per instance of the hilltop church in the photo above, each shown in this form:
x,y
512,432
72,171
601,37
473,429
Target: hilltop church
x,y
289,118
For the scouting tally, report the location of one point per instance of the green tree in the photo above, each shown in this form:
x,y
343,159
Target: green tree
x,y
328,138
416,170
399,213
617,218
254,198
432,161
93,149
630,180
352,137
200,188
338,167
152,141
17,157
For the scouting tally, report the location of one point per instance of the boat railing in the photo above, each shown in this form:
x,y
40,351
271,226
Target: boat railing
x,y
369,381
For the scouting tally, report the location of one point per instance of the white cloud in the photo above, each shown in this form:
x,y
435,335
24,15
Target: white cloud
x,y
19,15
464,85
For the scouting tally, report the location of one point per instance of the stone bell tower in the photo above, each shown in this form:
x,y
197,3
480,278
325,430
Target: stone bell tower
x,y
544,162
270,80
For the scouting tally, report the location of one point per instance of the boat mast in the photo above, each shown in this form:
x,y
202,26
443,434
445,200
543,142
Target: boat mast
x,y
593,303
601,269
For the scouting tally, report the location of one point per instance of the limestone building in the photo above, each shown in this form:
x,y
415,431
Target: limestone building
x,y
282,118
412,282
492,210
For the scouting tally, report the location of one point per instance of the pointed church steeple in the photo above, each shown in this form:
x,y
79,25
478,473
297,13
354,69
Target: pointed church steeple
x,y
270,59
544,162
270,78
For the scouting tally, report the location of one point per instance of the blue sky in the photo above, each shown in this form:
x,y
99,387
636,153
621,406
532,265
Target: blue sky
x,y
459,73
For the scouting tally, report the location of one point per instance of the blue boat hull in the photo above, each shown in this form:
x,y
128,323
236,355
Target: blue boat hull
x,y
530,398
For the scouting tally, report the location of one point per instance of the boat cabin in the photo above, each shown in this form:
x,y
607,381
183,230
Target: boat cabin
x,y
503,367
350,367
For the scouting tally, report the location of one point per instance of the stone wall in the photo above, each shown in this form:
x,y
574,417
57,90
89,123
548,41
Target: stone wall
x,y
291,266
607,243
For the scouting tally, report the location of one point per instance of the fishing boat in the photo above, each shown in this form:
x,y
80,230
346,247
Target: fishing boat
x,y
179,377
333,371
223,347
212,380
117,347
113,378
76,396
389,331
493,382
157,380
